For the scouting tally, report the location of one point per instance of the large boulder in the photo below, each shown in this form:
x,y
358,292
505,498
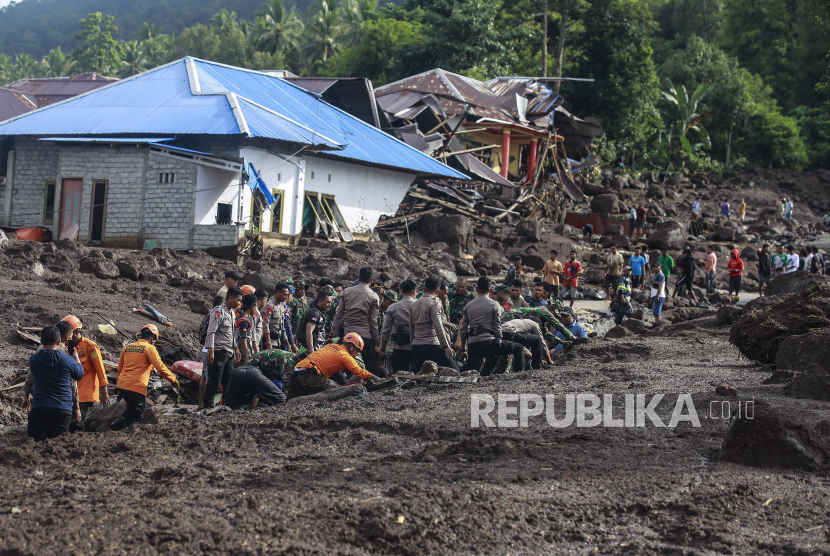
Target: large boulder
x,y
617,184
728,314
768,321
795,282
656,192
261,280
594,275
99,419
100,267
604,203
810,354
636,184
749,253
669,235
613,230
336,269
655,209
464,268
726,233
129,269
764,436
622,242
451,229
618,332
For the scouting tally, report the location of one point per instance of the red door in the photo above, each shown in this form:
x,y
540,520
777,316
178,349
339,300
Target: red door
x,y
71,208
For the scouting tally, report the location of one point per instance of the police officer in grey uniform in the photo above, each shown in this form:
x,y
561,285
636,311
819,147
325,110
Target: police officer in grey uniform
x,y
220,344
396,328
429,338
480,331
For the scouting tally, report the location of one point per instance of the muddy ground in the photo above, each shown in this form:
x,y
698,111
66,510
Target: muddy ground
x,y
403,472
392,472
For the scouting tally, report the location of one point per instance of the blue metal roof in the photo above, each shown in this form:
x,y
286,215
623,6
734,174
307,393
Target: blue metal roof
x,y
193,96
108,139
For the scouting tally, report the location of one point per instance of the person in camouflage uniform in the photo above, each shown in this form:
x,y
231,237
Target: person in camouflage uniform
x,y
386,299
544,316
299,305
275,364
502,292
332,310
458,298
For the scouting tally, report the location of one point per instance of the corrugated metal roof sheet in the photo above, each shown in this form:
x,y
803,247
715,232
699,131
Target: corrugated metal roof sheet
x,y
49,90
161,102
107,139
14,103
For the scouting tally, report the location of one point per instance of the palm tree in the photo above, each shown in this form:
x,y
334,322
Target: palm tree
x,y
322,36
24,67
277,27
146,31
56,64
686,118
353,14
159,50
134,60
224,21
5,69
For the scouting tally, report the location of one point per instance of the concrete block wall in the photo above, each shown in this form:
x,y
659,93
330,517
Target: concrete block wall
x,y
217,236
169,207
123,168
35,163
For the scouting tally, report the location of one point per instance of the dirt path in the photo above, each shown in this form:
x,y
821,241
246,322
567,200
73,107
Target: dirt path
x,y
403,472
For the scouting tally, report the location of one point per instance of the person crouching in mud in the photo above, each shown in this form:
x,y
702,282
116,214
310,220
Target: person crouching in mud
x,y
313,373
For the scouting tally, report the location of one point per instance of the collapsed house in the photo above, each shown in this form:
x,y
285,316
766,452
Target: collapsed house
x,y
193,153
510,135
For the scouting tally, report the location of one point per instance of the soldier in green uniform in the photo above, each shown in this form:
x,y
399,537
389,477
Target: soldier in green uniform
x,y
275,364
458,299
299,305
545,317
332,310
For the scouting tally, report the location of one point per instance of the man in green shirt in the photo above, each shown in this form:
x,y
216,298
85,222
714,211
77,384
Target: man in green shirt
x,y
666,262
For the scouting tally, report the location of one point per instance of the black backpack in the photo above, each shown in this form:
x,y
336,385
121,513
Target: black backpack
x,y
203,328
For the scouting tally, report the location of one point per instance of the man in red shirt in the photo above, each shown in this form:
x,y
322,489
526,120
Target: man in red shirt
x,y
736,270
640,223
573,270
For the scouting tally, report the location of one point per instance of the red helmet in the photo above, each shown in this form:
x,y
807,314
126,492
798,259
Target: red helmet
x,y
74,321
248,289
152,328
354,339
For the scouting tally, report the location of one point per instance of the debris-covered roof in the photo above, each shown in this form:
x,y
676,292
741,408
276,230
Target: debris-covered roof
x,y
49,90
191,96
14,103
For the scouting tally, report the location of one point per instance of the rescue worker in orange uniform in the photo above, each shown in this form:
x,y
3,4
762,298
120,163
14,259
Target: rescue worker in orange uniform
x,y
313,373
92,388
136,363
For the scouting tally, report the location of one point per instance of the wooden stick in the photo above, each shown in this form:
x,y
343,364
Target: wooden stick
x,y
412,216
116,328
13,387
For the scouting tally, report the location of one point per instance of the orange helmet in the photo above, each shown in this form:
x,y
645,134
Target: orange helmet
x,y
152,328
354,339
248,289
74,321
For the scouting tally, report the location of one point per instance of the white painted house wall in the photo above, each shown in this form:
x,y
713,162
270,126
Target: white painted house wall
x,y
277,173
363,193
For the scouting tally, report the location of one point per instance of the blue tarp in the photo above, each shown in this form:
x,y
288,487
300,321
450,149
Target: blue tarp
x,y
255,182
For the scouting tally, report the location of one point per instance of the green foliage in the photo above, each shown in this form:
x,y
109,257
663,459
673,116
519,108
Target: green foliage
x,y
615,50
97,50
814,125
380,53
739,103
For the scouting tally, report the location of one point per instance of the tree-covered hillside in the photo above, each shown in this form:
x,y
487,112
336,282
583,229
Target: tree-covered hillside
x,y
702,84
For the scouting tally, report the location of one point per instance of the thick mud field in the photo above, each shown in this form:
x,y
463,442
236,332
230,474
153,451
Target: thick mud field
x,y
403,472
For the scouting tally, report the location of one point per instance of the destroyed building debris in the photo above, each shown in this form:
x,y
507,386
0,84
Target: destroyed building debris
x,y
511,135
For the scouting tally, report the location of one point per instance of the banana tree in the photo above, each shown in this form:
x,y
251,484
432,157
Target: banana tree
x,y
686,119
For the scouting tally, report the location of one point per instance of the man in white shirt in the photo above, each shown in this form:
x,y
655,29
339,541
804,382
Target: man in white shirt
x,y
788,210
792,260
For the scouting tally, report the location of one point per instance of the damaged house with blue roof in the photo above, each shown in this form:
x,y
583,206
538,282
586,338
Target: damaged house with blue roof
x,y
193,153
